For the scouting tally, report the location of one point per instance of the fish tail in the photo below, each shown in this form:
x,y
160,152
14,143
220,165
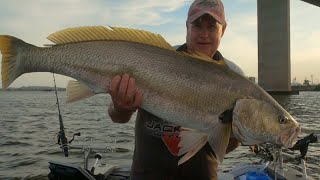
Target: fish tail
x,y
10,47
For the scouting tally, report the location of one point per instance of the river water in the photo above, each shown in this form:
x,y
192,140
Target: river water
x,y
29,124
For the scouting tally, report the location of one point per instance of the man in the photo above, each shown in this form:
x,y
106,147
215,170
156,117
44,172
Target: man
x,y
152,159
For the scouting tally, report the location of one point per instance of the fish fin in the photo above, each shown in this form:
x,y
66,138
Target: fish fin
x,y
194,149
203,57
96,33
77,91
10,66
187,142
218,138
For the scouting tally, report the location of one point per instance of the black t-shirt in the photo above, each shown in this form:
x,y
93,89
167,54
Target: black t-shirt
x,y
152,159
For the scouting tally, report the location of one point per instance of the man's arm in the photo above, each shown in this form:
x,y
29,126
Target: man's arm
x,y
234,67
126,99
233,144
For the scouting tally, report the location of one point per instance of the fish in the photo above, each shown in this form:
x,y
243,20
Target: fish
x,y
210,101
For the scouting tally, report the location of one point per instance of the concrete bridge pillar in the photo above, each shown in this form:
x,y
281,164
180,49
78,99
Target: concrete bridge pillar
x,y
274,69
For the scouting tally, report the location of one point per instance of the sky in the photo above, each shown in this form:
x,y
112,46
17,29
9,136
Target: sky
x,y
34,20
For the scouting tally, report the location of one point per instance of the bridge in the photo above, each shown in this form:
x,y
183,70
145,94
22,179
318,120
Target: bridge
x,y
274,67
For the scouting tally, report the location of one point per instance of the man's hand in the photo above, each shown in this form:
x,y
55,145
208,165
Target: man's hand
x,y
125,98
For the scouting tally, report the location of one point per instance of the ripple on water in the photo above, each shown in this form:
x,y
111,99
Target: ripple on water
x,y
23,162
15,143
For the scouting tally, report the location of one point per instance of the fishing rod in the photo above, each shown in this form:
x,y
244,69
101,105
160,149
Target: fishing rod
x,y
62,138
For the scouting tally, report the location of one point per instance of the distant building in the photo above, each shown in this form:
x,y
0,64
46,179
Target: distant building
x,y
296,84
306,82
253,79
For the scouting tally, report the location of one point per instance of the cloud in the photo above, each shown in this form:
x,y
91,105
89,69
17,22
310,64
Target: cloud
x,y
239,43
34,20
305,32
244,1
306,47
141,12
155,5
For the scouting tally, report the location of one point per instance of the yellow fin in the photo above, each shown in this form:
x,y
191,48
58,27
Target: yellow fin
x,y
9,47
203,57
77,91
96,33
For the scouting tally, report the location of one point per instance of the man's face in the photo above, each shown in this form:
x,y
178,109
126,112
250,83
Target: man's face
x,y
204,35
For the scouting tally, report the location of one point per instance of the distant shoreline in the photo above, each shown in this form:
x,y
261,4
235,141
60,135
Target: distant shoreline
x,y
34,88
47,88
306,88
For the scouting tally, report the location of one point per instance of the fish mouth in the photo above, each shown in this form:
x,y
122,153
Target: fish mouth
x,y
288,138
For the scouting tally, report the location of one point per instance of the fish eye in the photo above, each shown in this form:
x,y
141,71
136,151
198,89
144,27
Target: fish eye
x,y
282,119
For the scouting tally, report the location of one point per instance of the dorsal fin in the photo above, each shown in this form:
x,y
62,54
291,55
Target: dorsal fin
x,y
95,33
100,33
202,56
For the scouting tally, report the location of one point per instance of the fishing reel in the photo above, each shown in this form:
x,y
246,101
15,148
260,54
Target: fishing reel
x,y
69,142
62,140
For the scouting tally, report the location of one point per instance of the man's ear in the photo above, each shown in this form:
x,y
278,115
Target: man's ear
x,y
223,29
187,34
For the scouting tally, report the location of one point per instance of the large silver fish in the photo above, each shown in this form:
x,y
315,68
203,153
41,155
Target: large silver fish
x,y
187,89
